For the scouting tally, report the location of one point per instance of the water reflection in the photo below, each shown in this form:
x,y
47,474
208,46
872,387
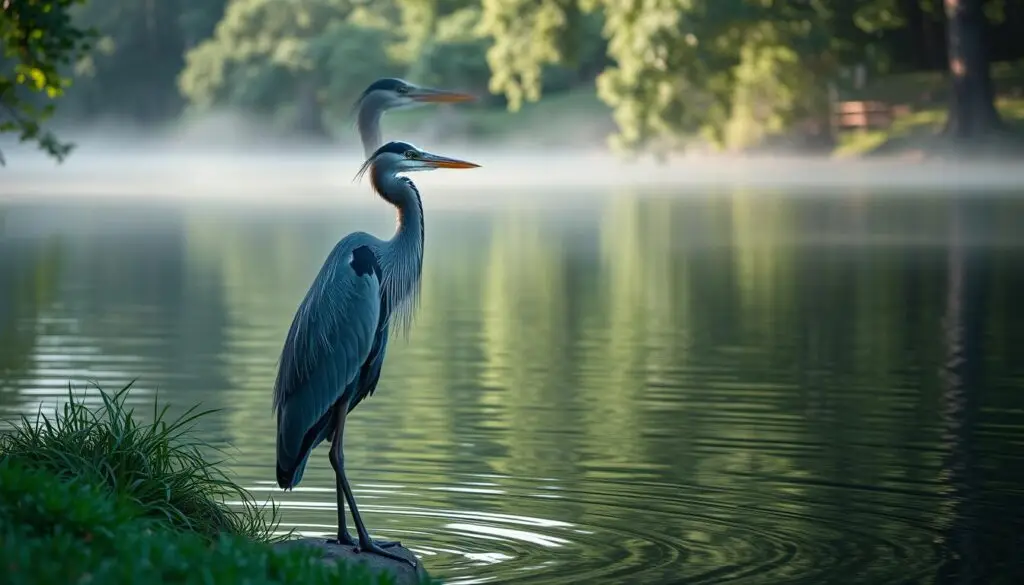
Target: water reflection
x,y
743,387
27,284
970,508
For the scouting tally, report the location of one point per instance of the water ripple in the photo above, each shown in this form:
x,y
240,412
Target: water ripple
x,y
634,403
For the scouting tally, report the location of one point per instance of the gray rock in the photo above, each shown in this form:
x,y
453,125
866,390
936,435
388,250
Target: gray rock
x,y
403,573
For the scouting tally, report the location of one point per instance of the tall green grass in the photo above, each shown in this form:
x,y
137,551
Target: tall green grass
x,y
93,495
158,465
70,530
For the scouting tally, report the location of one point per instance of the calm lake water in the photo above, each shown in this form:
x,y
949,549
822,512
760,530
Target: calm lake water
x,y
743,387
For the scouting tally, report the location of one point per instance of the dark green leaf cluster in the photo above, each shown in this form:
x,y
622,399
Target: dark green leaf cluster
x,y
40,40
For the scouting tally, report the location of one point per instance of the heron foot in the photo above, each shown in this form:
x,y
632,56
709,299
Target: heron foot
x,y
377,548
344,539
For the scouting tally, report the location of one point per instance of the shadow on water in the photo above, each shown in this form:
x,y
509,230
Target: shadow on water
x,y
743,388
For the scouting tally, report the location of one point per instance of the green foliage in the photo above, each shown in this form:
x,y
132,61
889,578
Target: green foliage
x,y
656,88
257,45
40,40
525,36
286,60
342,67
131,71
728,73
440,45
772,88
732,71
61,529
158,466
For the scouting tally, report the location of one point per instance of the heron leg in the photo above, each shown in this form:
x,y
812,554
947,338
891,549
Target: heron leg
x,y
365,543
337,463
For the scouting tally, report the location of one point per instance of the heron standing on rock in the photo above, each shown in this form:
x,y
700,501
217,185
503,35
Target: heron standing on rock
x,y
335,346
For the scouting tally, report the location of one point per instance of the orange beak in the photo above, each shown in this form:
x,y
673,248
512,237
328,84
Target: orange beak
x,y
425,94
443,162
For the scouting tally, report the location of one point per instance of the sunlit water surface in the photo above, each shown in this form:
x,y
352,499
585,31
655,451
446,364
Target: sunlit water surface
x,y
733,388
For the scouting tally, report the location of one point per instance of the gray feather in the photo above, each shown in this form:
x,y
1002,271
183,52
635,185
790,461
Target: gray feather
x,y
329,340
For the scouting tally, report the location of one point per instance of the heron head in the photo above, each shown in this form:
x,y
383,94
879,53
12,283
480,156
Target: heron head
x,y
402,157
389,93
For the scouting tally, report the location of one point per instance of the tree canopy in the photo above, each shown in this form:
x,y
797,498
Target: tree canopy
x,y
727,73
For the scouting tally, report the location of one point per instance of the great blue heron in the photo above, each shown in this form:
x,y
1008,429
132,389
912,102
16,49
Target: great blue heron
x,y
388,94
333,353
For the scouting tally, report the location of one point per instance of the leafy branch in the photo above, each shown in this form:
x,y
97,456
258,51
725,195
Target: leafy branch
x,y
41,40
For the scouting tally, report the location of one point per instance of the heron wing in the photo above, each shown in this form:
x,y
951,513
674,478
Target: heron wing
x,y
330,338
369,374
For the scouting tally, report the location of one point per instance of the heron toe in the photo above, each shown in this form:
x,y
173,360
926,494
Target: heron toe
x,y
347,540
377,549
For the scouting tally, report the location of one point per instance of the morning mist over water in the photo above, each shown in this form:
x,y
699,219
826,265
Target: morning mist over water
x,y
297,173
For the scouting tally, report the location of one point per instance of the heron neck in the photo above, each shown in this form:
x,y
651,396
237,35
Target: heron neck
x,y
369,127
402,261
409,235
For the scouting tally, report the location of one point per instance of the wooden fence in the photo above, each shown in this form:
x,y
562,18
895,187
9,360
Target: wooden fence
x,y
866,115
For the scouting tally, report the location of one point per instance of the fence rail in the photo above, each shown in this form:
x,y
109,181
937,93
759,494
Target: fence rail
x,y
866,115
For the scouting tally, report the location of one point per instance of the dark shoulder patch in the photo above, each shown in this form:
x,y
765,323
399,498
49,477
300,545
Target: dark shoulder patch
x,y
364,262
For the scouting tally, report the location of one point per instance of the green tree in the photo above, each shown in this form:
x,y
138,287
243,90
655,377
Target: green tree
x,y
131,74
732,71
41,41
525,39
129,70
438,43
287,61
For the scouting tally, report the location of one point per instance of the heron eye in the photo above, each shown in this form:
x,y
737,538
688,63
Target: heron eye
x,y
410,154
402,89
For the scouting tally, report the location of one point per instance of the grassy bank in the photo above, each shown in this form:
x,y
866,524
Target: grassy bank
x,y
917,132
927,95
93,496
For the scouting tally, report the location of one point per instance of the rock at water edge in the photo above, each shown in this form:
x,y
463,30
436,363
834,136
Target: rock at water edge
x,y
330,552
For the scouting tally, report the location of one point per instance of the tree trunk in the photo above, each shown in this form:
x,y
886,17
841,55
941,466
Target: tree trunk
x,y
972,111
